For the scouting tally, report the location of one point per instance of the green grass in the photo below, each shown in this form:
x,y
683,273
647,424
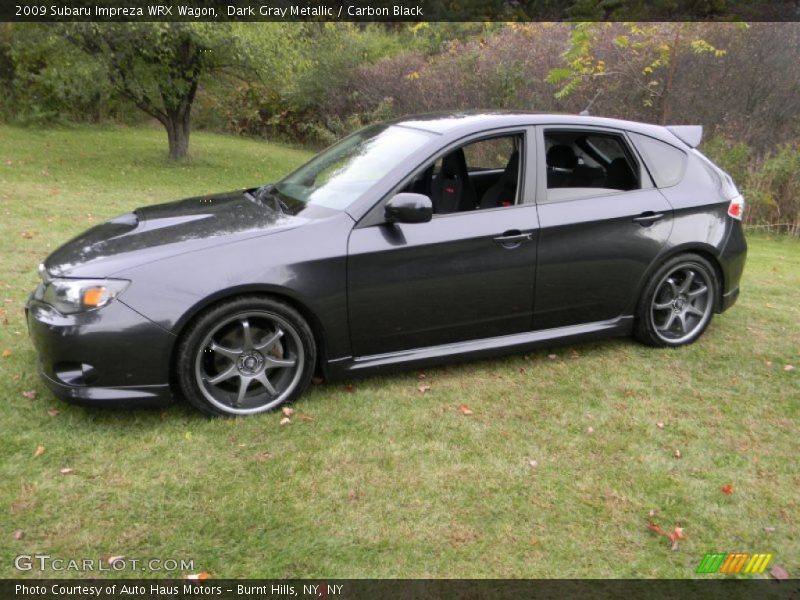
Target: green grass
x,y
386,481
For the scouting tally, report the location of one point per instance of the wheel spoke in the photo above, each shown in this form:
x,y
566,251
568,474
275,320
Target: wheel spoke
x,y
226,352
668,324
247,335
226,374
691,308
697,292
687,283
663,305
682,319
244,383
264,380
279,363
268,343
673,287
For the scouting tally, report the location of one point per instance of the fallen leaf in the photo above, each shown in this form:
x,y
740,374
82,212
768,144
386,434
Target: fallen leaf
x,y
199,576
53,412
465,410
27,235
673,536
262,456
677,454
768,363
285,421
552,356
306,418
66,471
112,560
727,489
423,387
788,367
349,388
769,530
779,573
18,535
533,464
653,512
317,380
287,411
575,354
7,353
188,435
660,425
39,451
590,430
421,376
30,394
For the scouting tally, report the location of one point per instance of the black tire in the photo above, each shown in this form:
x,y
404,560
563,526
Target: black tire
x,y
678,302
245,356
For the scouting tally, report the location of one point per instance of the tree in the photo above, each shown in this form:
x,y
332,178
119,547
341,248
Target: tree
x,y
159,66
642,57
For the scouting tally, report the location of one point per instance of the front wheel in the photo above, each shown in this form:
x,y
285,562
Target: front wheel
x,y
245,356
678,302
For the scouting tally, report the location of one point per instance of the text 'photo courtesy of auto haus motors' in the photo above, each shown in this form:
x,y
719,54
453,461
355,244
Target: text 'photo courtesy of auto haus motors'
x,y
426,239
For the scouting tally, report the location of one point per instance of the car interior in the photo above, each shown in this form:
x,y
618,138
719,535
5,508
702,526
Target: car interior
x,y
480,175
578,159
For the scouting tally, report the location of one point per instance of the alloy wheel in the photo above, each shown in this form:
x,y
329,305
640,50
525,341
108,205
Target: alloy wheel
x,y
249,363
682,304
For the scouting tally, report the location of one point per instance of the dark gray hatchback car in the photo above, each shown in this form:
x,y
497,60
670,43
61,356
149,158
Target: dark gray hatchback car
x,y
425,239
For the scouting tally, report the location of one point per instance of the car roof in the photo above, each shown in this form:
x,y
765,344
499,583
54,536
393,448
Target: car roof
x,y
464,123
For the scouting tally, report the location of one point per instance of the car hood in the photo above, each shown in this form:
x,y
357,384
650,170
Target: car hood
x,y
157,232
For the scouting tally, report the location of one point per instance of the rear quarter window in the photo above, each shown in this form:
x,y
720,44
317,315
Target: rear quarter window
x,y
666,163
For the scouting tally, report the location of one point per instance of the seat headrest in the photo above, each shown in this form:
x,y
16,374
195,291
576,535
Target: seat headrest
x,y
562,157
510,174
454,164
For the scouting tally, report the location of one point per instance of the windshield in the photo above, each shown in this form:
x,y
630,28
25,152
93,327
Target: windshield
x,y
346,170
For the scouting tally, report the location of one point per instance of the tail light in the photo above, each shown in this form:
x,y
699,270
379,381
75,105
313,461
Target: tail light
x,y
736,208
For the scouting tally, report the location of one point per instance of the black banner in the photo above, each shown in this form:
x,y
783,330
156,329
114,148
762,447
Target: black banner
x,y
398,10
364,589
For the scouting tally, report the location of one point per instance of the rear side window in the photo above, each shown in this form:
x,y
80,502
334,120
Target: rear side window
x,y
585,164
665,162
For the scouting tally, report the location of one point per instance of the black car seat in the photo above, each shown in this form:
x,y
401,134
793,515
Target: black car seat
x,y
561,162
619,175
451,190
504,191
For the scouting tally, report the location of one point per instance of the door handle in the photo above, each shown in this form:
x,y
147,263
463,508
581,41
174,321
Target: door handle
x,y
648,218
513,238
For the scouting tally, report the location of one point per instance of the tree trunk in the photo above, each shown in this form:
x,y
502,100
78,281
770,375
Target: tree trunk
x,y
177,125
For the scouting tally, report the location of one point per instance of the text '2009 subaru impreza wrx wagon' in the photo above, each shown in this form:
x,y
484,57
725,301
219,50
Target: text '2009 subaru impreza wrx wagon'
x,y
425,239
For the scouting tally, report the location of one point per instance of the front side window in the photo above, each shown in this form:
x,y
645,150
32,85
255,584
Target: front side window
x,y
480,175
339,175
587,163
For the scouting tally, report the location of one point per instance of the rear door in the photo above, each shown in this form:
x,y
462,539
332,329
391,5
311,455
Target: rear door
x,y
602,224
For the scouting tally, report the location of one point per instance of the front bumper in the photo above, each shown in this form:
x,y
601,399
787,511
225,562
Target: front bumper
x,y
112,356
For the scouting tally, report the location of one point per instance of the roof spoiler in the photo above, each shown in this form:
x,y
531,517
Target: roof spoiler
x,y
689,134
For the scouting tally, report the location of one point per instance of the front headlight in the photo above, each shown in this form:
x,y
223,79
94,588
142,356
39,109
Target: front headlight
x,y
70,296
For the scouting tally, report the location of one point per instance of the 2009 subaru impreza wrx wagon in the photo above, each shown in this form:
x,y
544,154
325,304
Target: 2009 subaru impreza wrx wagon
x,y
425,239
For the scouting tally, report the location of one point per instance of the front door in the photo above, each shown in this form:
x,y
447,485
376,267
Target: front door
x,y
467,274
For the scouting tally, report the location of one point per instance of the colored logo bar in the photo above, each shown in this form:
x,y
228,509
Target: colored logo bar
x,y
734,562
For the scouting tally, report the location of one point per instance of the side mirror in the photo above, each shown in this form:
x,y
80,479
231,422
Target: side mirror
x,y
408,208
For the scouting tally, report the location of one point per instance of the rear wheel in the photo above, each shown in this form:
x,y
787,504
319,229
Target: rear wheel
x,y
245,356
678,302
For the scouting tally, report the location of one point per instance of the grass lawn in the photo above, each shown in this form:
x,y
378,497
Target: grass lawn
x,y
373,478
